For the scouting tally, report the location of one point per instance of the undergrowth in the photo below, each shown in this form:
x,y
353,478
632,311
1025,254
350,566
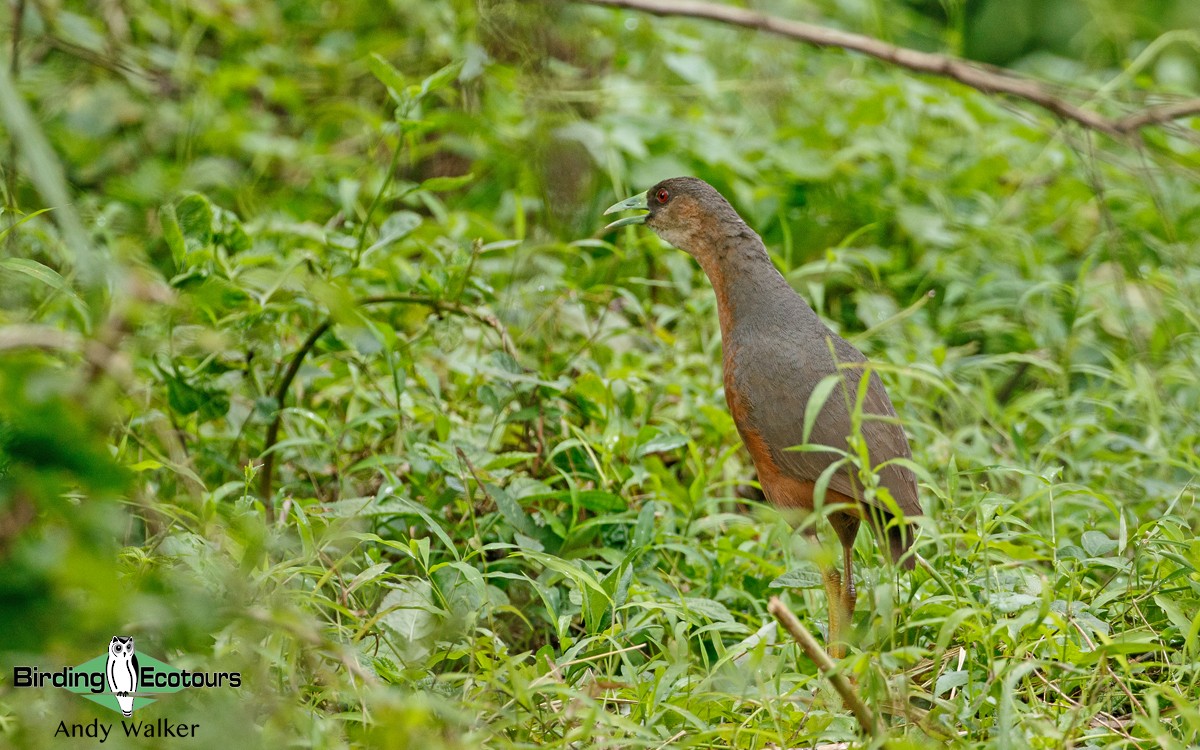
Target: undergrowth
x,y
356,399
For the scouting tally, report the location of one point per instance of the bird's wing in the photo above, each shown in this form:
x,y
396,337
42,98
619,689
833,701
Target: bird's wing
x,y
782,427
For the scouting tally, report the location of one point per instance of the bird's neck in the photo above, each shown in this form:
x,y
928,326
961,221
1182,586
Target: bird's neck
x,y
745,280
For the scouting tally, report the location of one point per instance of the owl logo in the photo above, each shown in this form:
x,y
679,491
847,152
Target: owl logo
x,y
122,671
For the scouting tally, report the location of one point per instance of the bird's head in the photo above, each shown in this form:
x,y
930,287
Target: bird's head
x,y
686,212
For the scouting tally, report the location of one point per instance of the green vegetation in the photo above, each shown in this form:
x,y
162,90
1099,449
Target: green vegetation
x,y
503,503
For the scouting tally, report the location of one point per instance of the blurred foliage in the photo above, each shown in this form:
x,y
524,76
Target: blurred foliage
x,y
1098,33
351,257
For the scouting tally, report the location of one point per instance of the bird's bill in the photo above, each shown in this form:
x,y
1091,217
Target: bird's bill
x,y
636,202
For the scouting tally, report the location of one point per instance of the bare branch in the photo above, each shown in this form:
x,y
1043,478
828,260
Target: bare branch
x,y
1157,115
989,80
866,719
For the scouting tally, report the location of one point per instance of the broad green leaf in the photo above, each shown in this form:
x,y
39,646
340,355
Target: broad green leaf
x,y
803,577
195,216
1097,543
661,443
512,511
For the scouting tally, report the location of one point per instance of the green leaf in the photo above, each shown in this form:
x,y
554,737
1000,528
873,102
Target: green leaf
x,y
512,511
597,501
401,505
185,399
22,220
395,228
410,612
172,234
643,531
388,75
440,184
617,583
572,570
195,217
368,574
1124,644
661,444
950,680
806,576
439,79
41,273
816,402
708,608
1008,602
1097,543
1175,612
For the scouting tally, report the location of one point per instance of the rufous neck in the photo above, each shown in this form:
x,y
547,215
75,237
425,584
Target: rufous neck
x,y
742,275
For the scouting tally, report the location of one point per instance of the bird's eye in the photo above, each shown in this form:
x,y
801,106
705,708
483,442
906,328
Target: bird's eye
x,y
662,196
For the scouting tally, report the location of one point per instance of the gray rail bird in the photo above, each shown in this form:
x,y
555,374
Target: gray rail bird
x,y
776,353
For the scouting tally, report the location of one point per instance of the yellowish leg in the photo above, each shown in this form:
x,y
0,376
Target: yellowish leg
x,y
849,595
840,588
837,620
841,596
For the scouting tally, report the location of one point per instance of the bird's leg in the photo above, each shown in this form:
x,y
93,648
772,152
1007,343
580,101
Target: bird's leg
x,y
842,598
849,595
837,620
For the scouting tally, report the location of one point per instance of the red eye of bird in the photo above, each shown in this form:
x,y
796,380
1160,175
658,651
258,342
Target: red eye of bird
x,y
662,196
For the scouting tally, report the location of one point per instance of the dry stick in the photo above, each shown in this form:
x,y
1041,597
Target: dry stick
x,y
267,476
866,719
987,79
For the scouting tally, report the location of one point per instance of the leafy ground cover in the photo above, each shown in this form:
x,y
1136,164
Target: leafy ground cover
x,y
337,384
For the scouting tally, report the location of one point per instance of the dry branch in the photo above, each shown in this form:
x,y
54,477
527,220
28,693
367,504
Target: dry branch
x,y
989,80
866,719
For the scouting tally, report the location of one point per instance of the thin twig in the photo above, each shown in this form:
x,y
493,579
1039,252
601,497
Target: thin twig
x,y
449,306
866,719
989,80
1160,114
266,478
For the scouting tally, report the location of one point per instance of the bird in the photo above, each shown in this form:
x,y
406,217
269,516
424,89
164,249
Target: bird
x,y
122,671
776,353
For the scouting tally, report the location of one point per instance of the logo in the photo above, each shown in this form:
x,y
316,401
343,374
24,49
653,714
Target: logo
x,y
123,681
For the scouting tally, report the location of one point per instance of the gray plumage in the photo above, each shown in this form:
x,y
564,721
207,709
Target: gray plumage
x,y
776,352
